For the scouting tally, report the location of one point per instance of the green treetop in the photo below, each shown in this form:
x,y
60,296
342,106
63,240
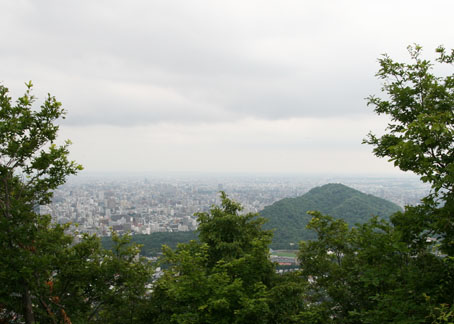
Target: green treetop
x,y
420,138
400,272
420,135
224,278
45,276
31,166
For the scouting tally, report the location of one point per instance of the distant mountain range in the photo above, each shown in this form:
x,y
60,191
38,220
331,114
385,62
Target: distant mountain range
x,y
288,217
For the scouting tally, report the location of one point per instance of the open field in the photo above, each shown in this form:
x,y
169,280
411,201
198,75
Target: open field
x,y
285,253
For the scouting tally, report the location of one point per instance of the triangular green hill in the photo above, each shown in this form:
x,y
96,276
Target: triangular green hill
x,y
288,217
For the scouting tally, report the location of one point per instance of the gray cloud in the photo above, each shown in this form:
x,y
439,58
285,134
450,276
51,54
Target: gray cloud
x,y
139,62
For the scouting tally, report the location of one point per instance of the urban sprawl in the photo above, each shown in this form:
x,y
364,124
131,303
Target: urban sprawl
x,y
147,204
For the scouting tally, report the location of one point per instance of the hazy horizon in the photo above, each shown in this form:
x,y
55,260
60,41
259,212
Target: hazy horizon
x,y
238,175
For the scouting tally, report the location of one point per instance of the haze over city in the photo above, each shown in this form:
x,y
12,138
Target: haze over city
x,y
208,86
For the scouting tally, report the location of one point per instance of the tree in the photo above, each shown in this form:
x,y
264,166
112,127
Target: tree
x,y
46,275
101,286
400,272
31,166
223,278
232,236
288,300
420,138
369,274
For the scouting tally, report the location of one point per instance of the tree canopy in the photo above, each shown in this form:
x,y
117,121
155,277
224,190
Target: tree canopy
x,y
46,275
223,278
420,135
403,271
31,166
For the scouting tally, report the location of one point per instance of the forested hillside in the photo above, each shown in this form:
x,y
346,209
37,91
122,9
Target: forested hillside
x,y
288,217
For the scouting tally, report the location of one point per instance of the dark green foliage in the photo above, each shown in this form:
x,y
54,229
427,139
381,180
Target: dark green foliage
x,y
287,298
420,138
31,167
151,245
45,276
224,278
289,216
99,286
401,272
421,132
368,274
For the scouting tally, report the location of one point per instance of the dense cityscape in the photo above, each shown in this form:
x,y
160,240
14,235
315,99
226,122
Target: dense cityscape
x,y
147,204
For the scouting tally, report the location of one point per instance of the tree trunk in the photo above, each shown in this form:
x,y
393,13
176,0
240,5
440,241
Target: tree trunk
x,y
28,309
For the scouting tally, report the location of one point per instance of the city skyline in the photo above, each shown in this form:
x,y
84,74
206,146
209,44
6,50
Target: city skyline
x,y
146,204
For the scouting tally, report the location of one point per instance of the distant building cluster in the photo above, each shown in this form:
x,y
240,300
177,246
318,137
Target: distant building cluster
x,y
147,205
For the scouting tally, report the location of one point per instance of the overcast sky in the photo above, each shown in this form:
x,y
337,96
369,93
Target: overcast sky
x,y
216,86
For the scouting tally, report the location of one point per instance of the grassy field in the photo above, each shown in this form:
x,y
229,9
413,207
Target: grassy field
x,y
285,253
